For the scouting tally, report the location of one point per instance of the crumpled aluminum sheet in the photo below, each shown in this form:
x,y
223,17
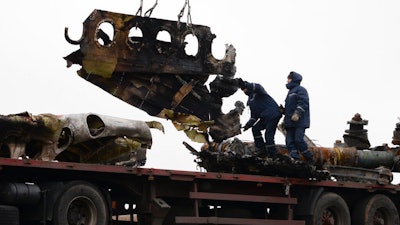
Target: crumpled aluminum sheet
x,y
85,137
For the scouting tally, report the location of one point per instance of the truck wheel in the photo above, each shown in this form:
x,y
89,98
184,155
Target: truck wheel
x,y
330,209
9,215
375,210
81,203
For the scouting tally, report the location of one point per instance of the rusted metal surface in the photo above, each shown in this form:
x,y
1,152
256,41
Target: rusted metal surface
x,y
89,137
340,162
380,175
396,135
155,75
357,136
25,166
236,156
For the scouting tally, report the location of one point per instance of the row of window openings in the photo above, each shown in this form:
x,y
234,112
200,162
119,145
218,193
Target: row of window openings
x,y
191,47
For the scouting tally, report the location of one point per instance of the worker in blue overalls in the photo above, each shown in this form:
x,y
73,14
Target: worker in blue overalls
x,y
265,115
297,118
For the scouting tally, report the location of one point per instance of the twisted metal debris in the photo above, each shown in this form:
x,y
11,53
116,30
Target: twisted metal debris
x,y
87,137
153,75
345,161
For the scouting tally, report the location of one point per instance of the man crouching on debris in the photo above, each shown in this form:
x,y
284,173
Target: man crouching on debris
x,y
265,115
297,118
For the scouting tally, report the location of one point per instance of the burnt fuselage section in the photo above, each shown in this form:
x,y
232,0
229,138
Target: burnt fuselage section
x,y
133,64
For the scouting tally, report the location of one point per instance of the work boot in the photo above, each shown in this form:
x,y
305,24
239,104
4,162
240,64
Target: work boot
x,y
294,157
271,151
296,161
288,159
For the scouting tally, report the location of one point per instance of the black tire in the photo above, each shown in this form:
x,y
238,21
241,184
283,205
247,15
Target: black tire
x,y
9,215
330,209
375,210
81,203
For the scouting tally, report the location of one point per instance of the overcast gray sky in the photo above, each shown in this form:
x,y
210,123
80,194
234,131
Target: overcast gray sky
x,y
348,52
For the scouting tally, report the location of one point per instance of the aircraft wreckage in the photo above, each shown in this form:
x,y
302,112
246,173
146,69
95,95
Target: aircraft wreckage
x,y
352,159
94,138
161,79
89,138
156,76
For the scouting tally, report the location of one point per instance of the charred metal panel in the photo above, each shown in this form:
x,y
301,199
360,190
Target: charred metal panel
x,y
146,54
19,130
151,74
227,125
87,137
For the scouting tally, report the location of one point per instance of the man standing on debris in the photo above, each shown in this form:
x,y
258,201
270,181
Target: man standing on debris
x,y
265,115
297,118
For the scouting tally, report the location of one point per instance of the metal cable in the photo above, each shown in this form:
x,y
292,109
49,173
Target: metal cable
x,y
150,11
140,10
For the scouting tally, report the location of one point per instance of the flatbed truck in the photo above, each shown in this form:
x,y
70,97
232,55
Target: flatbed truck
x,y
68,193
134,69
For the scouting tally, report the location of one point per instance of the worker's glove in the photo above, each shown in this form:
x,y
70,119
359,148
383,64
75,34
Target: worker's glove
x,y
246,127
295,117
240,83
281,109
281,127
